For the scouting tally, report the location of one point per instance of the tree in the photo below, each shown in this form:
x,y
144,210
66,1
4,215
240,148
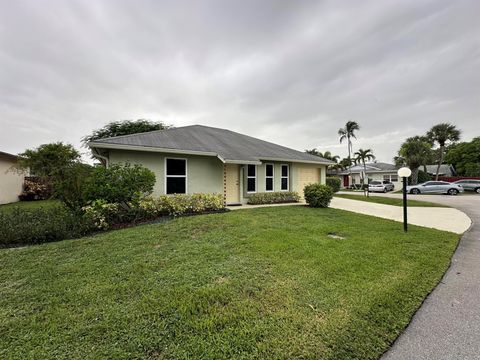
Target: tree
x,y
414,152
326,155
441,134
124,127
465,157
48,161
362,156
119,183
345,163
347,133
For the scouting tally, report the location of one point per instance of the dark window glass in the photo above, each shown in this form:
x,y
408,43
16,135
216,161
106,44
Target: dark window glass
x,y
251,184
284,183
251,170
176,185
269,170
176,167
269,184
284,170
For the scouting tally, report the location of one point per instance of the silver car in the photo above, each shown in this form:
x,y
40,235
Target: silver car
x,y
469,184
435,187
380,186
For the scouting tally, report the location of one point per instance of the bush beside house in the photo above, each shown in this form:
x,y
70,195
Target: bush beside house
x,y
334,182
318,195
274,197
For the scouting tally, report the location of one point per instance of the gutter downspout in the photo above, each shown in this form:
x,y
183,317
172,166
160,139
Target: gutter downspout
x,y
102,158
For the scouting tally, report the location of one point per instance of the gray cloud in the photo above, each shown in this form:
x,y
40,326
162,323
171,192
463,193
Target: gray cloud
x,y
291,72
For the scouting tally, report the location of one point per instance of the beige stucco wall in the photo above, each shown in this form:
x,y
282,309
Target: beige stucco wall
x,y
204,173
293,179
10,182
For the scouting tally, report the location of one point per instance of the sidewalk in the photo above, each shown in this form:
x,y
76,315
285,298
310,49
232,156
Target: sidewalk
x,y
447,219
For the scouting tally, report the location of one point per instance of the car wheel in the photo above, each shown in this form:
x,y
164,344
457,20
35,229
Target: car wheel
x,y
452,192
477,190
385,190
415,191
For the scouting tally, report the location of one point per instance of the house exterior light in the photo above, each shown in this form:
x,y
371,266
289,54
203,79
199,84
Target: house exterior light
x,y
404,172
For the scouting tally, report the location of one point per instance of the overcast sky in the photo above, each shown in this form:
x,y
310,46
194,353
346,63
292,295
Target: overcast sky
x,y
290,72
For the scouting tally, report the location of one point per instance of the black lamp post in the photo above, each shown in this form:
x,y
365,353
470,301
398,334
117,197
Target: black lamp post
x,y
404,173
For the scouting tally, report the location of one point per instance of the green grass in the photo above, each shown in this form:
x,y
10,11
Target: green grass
x,y
258,283
389,201
28,205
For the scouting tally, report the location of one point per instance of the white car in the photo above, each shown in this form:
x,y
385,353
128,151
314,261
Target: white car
x,y
380,186
435,187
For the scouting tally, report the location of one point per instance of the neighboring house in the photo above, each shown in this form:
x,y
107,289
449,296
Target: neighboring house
x,y
202,159
445,170
374,171
11,181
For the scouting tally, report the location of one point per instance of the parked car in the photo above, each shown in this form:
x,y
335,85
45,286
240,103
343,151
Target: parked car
x,y
435,187
469,184
380,186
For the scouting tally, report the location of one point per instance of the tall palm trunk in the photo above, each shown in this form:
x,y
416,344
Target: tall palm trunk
x,y
415,175
349,146
442,150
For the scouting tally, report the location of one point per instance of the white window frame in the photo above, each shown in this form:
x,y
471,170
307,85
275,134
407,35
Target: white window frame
x,y
270,177
285,177
175,176
252,177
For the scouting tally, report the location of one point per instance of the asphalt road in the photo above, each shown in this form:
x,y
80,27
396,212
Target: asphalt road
x,y
447,326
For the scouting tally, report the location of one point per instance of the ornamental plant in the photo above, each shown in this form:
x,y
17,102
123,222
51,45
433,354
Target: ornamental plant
x,y
318,195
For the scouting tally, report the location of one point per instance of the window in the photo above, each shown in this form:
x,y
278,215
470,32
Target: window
x,y
284,178
391,177
175,176
269,177
251,178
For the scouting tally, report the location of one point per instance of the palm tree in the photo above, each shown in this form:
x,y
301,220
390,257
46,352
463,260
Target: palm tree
x,y
414,152
361,156
345,163
326,155
441,134
347,133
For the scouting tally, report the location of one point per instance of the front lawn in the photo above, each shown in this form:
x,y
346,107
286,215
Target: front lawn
x,y
280,282
29,205
389,201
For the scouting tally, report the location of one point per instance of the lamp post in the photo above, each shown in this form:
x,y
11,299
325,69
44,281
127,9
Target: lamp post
x,y
404,173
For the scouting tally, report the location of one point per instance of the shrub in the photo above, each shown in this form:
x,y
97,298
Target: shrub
x,y
181,204
119,183
105,215
318,195
35,226
70,188
35,189
273,197
334,182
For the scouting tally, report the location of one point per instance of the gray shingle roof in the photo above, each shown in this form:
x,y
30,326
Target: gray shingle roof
x,y
228,145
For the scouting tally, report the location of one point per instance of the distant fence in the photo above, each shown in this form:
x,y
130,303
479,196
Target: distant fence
x,y
456,178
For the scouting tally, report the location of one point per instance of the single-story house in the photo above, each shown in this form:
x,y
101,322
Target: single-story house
x,y
445,170
374,171
202,159
11,181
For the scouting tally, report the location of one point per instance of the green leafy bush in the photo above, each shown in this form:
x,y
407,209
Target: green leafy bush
x,y
119,183
273,197
35,226
334,182
318,195
105,215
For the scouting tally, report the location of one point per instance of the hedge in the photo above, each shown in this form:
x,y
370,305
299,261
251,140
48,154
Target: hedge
x,y
273,197
35,226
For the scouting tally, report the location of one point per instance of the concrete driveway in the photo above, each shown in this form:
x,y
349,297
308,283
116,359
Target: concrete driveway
x,y
447,326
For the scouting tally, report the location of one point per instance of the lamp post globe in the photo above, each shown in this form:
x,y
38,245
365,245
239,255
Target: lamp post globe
x,y
404,172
